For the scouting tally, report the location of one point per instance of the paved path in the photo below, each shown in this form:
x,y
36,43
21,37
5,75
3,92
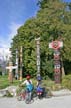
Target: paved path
x,y
53,102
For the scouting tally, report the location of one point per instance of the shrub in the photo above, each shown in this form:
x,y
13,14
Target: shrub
x,y
66,81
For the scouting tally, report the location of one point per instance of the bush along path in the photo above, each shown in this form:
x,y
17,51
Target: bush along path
x,y
11,91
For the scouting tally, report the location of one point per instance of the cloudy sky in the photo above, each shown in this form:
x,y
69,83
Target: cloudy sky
x,y
13,13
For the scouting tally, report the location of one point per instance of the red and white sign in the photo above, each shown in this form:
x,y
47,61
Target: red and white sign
x,y
56,45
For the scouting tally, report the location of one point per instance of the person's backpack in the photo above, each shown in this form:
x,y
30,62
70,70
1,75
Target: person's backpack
x,y
30,87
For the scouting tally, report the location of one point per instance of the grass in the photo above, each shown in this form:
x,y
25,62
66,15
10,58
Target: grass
x,y
4,82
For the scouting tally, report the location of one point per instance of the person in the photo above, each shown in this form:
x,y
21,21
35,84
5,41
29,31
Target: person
x,y
39,84
39,87
29,87
28,83
39,81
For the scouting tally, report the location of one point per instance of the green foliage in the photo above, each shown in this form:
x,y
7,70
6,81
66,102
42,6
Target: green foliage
x,y
53,21
66,82
3,82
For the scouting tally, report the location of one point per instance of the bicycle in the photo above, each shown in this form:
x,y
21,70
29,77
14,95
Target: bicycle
x,y
21,95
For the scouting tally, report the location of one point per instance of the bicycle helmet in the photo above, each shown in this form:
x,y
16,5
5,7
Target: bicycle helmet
x,y
28,77
39,78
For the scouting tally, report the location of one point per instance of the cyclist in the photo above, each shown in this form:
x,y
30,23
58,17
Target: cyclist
x,y
39,84
39,87
39,81
29,86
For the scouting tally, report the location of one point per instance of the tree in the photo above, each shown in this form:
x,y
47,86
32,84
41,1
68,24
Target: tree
x,y
57,16
53,21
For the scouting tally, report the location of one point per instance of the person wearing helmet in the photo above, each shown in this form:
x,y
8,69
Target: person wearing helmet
x,y
28,77
29,87
39,80
39,87
28,83
39,83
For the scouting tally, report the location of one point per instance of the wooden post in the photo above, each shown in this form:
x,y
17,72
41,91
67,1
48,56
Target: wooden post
x,y
16,73
10,74
56,45
21,63
62,68
10,68
38,55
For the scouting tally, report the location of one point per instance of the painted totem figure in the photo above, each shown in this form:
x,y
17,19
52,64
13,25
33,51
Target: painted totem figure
x,y
56,45
57,66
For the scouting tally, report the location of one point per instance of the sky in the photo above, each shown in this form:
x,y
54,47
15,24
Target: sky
x,y
13,14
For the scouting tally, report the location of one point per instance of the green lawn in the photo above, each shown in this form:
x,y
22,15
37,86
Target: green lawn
x,y
4,82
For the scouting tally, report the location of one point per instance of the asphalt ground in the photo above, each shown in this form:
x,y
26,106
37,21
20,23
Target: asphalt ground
x,y
53,102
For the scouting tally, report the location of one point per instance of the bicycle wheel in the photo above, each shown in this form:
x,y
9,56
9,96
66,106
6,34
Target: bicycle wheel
x,y
19,97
